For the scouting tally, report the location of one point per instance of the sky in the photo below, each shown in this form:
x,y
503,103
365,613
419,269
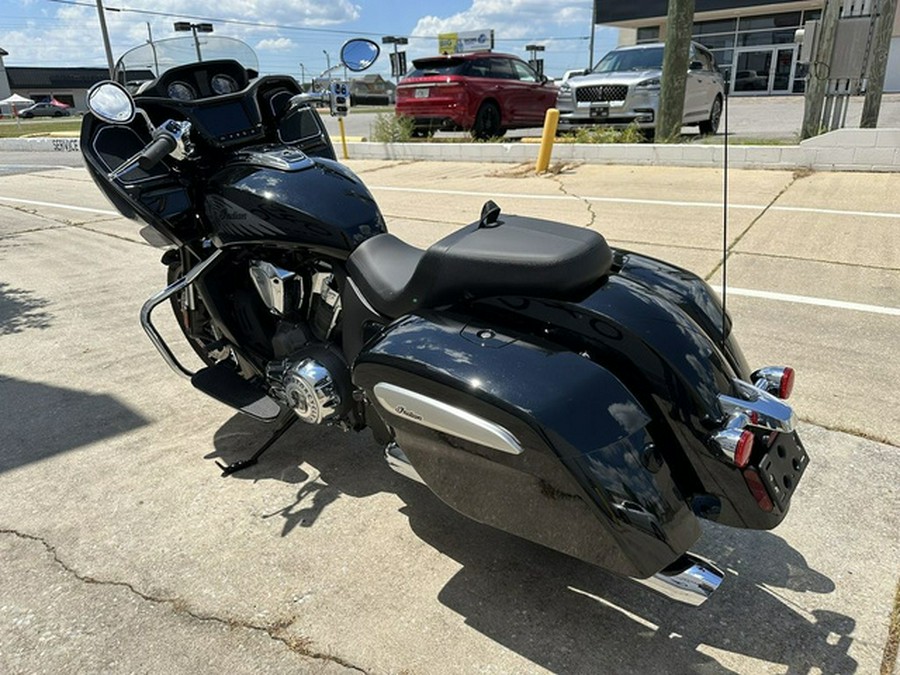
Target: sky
x,y
288,33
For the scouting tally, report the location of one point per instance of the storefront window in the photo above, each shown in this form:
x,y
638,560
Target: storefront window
x,y
716,41
648,34
722,26
766,37
770,21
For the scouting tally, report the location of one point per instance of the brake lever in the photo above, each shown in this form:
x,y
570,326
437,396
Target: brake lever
x,y
306,98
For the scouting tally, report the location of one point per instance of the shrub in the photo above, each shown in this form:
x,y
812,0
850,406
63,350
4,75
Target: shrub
x,y
391,128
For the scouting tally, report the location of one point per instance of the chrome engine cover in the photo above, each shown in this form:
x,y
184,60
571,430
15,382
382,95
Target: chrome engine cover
x,y
310,390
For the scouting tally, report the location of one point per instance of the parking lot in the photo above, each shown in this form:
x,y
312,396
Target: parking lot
x,y
125,551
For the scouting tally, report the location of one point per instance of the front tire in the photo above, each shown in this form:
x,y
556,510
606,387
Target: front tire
x,y
711,126
487,122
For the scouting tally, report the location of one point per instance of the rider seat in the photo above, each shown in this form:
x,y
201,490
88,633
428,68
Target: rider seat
x,y
499,255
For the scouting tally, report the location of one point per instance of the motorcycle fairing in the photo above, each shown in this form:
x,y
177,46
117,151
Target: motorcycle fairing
x,y
589,480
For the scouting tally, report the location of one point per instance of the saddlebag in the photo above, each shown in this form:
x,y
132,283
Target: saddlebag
x,y
532,439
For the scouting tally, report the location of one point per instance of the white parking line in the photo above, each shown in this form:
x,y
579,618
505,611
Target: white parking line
x,y
807,300
746,292
624,200
32,202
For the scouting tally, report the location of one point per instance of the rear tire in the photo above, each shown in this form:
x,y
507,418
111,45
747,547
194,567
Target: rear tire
x,y
711,126
487,122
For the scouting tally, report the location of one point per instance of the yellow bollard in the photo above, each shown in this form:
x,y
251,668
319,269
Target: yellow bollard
x,y
551,120
344,136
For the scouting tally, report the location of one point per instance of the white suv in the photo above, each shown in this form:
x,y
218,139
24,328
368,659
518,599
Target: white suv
x,y
623,89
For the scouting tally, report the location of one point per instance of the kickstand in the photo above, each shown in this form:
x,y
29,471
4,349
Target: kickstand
x,y
228,469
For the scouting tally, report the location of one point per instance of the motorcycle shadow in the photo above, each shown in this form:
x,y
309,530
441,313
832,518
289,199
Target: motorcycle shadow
x,y
561,613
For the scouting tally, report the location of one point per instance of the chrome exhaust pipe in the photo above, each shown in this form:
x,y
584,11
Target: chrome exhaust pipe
x,y
690,579
400,463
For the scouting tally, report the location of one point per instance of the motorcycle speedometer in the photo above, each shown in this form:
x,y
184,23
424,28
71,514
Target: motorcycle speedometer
x,y
181,91
223,84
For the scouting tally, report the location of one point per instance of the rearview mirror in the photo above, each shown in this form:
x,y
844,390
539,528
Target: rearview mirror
x,y
111,102
359,53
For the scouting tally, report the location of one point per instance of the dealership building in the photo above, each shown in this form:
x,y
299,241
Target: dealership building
x,y
752,40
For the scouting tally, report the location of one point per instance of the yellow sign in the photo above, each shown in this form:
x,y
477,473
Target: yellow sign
x,y
466,41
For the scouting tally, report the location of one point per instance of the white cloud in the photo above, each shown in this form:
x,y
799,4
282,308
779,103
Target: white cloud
x,y
276,44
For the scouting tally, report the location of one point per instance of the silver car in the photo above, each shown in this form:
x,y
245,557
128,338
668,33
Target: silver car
x,y
623,89
44,110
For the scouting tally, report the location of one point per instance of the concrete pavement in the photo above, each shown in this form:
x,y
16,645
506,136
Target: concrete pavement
x,y
124,551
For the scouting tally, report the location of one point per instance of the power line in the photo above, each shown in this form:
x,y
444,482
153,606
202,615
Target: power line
x,y
260,24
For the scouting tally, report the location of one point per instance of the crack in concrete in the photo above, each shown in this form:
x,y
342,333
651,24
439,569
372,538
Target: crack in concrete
x,y
393,165
275,630
730,248
557,178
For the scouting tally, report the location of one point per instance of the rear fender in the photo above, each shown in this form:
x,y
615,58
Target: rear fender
x,y
533,439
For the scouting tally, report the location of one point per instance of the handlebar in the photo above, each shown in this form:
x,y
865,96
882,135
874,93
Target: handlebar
x,y
163,143
169,138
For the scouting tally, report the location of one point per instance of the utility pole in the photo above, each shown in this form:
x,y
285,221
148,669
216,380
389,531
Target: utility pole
x,y
679,21
105,34
819,71
590,64
881,43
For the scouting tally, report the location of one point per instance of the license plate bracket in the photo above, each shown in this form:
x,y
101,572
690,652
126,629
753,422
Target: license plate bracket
x,y
599,111
782,466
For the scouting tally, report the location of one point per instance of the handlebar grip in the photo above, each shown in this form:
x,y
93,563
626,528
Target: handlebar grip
x,y
159,147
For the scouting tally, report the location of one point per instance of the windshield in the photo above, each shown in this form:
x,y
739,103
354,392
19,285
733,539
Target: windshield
x,y
440,65
151,60
650,58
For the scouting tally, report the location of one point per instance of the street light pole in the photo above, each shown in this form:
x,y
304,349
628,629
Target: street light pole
x,y
533,50
302,76
395,64
194,28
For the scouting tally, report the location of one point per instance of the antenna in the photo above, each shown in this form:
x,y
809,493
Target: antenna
x,y
725,229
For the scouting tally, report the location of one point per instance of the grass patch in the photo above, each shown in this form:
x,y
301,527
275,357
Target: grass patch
x,y
599,134
39,127
747,140
391,128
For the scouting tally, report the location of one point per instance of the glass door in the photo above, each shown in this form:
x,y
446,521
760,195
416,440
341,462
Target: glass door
x,y
782,70
752,70
769,70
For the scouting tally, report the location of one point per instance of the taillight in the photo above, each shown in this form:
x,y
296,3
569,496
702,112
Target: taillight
x,y
787,383
744,449
735,440
776,380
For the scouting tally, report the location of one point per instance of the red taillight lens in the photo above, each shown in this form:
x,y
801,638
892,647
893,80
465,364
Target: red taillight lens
x,y
758,490
743,449
787,383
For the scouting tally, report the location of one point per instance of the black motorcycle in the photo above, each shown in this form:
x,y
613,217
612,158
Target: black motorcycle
x,y
586,398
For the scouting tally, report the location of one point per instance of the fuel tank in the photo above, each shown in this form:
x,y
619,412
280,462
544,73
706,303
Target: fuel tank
x,y
282,197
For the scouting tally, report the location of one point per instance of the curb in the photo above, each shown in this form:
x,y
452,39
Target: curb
x,y
873,150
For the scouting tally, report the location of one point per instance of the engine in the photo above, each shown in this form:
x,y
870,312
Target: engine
x,y
308,374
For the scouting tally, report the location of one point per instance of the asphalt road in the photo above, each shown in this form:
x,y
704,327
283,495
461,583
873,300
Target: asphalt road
x,y
124,551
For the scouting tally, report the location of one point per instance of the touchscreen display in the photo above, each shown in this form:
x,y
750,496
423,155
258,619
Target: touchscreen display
x,y
224,119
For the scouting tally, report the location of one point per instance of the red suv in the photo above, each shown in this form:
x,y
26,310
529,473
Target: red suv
x,y
481,92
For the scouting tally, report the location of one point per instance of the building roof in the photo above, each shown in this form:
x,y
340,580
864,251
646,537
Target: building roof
x,y
21,78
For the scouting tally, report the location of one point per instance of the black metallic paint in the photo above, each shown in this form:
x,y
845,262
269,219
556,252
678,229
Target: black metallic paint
x,y
322,206
587,447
